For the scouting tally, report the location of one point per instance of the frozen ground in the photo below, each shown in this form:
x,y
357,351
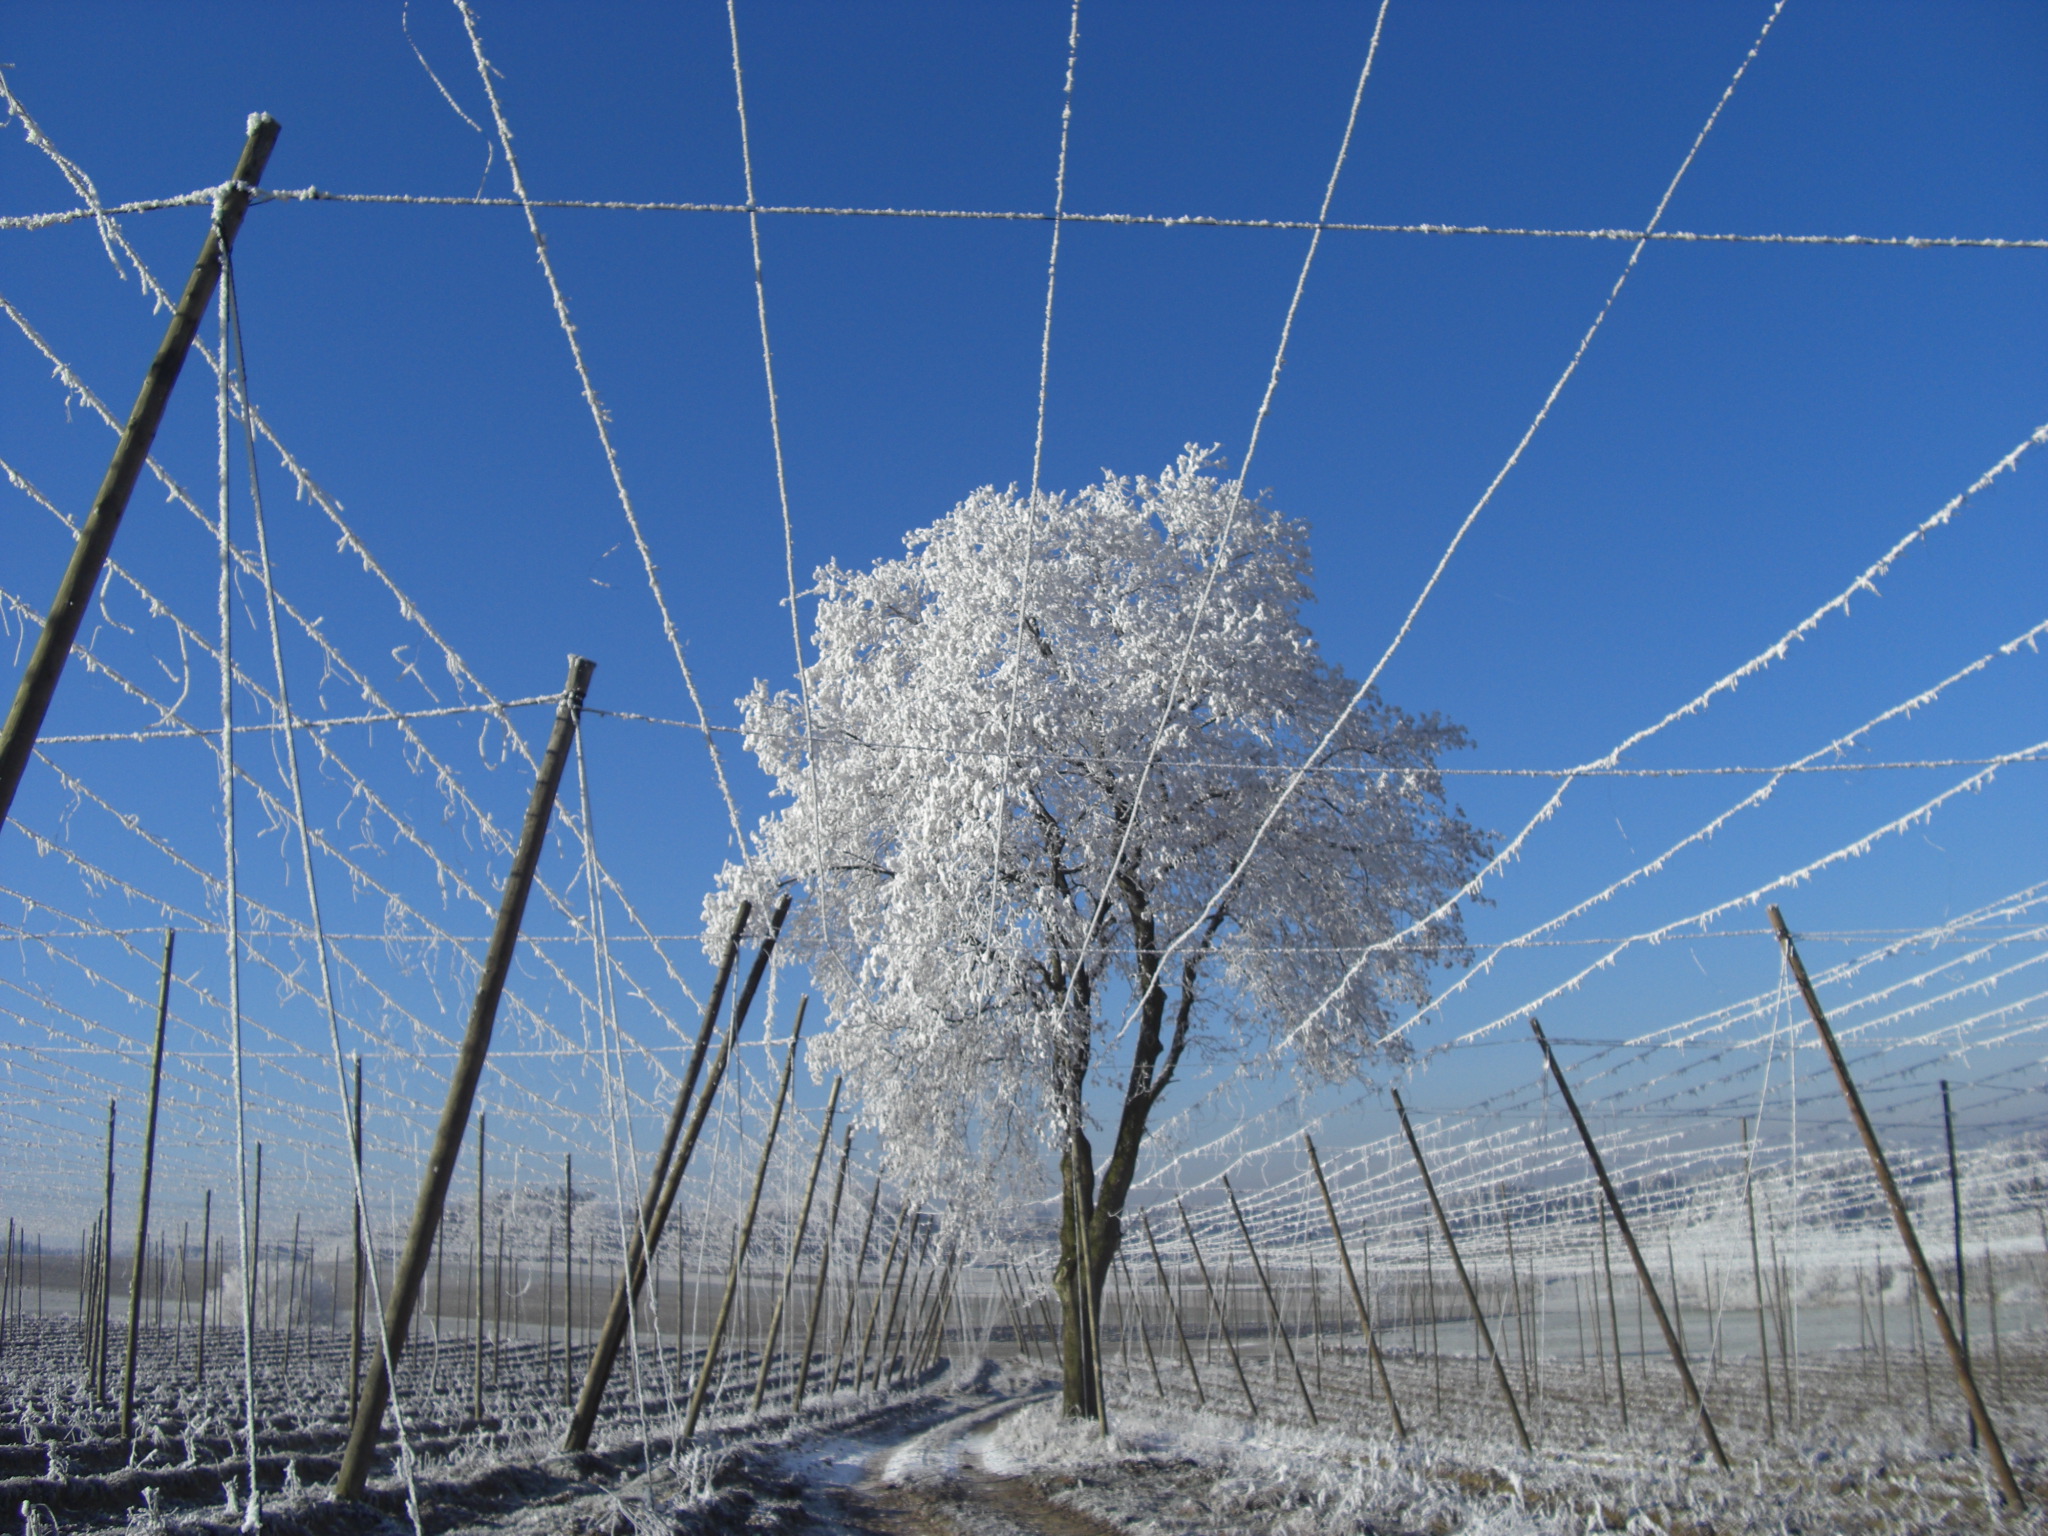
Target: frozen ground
x,y
980,1451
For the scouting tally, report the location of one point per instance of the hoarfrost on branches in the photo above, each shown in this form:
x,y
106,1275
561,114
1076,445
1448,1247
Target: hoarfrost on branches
x,y
961,776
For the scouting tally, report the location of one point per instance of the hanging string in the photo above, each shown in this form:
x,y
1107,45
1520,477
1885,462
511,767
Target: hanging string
x,y
239,366
252,1518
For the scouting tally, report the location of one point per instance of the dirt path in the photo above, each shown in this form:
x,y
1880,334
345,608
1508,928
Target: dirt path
x,y
931,1481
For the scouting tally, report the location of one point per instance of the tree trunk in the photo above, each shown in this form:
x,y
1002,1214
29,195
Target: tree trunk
x,y
1104,1232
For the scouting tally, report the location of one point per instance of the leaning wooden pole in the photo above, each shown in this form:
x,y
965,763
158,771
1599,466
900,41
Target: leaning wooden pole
x,y
156,1083
355,1327
739,1252
1372,1339
1693,1396
96,539
803,1222
104,1288
1987,1432
1272,1304
1443,1223
1187,1355
1222,1318
671,1163
469,1066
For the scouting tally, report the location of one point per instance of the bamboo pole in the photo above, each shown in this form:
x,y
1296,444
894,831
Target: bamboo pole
x,y
1372,1339
1980,1416
1216,1307
156,1082
803,1222
469,1066
739,1256
671,1163
1479,1327
1187,1353
1272,1305
1649,1289
96,539
803,1372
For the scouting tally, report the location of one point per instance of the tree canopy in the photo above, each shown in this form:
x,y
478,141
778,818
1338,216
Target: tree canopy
x,y
969,755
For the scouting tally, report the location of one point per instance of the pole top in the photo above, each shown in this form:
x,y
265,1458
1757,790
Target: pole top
x,y
580,668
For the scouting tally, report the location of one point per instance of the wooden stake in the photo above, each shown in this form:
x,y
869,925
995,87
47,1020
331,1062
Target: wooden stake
x,y
1372,1339
672,1163
1649,1289
796,1244
469,1066
867,1337
803,1372
1443,1222
96,538
1272,1305
711,1347
1980,1416
1222,1321
156,1082
205,1254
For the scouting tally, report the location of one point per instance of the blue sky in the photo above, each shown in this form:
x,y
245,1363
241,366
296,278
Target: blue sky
x,y
1753,425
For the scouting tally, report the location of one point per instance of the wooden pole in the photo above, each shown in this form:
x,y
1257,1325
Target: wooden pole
x,y
96,539
1649,1288
1215,1306
103,1291
205,1254
1443,1222
867,1337
469,1066
156,1081
1980,1416
671,1164
355,1327
860,1264
803,1372
746,1236
1272,1305
476,1394
1187,1353
1372,1340
1955,1205
568,1273
796,1244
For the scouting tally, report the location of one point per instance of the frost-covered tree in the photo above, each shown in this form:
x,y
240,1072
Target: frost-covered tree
x,y
993,883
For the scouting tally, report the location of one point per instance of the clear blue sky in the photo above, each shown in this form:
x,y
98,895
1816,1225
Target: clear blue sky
x,y
1754,424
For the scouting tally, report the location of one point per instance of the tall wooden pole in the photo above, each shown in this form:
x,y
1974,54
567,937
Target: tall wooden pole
x,y
469,1067
568,1273
739,1253
1372,1339
1272,1305
96,539
867,1337
1443,1223
1187,1354
803,1372
1980,1416
476,1394
156,1081
205,1255
796,1244
1628,1238
1756,1279
670,1165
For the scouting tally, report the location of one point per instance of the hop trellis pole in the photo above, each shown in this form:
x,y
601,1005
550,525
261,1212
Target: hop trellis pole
x,y
156,1082
469,1066
1980,1416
